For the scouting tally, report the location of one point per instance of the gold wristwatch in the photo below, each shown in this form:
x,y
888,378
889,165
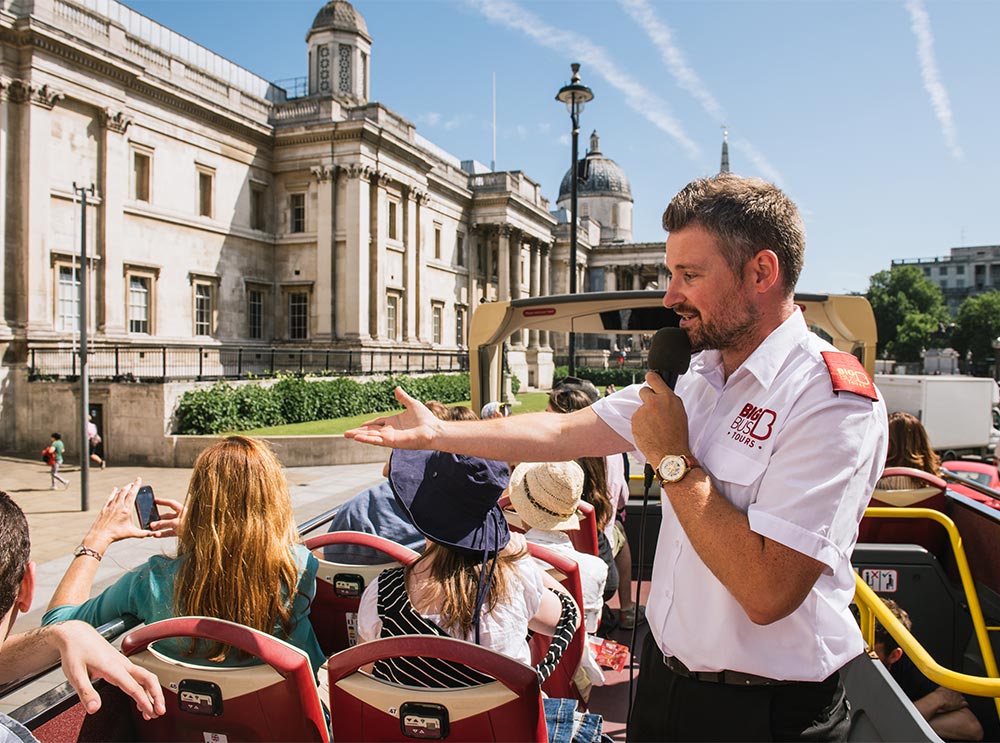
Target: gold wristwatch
x,y
673,467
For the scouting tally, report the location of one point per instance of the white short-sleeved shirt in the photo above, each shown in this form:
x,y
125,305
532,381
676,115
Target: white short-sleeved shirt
x,y
593,571
617,491
801,461
505,630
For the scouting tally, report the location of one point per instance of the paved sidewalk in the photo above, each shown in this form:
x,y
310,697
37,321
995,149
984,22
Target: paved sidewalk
x,y
57,524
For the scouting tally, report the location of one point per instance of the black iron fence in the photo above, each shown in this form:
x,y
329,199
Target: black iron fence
x,y
133,363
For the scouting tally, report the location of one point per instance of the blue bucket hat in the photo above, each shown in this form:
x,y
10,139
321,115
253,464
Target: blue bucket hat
x,y
452,499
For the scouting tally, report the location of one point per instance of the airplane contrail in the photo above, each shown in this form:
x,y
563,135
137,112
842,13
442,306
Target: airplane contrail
x,y
920,24
597,59
662,36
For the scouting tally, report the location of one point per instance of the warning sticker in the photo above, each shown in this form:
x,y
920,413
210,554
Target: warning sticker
x,y
881,580
351,618
215,738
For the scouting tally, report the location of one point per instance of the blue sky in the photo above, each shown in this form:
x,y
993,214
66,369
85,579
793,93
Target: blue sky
x,y
878,118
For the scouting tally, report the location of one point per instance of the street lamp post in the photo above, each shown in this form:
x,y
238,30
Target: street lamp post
x,y
575,95
83,192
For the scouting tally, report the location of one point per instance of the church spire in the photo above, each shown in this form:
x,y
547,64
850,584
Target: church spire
x,y
724,165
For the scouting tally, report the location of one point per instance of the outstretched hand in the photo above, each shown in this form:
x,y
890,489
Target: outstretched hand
x,y
115,521
414,428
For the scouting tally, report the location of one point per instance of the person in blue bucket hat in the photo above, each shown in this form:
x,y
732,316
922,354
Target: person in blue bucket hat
x,y
475,581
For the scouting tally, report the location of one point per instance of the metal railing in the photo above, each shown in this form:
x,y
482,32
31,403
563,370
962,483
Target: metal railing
x,y
133,363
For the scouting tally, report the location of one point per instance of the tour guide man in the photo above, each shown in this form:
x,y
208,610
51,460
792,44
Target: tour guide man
x,y
766,454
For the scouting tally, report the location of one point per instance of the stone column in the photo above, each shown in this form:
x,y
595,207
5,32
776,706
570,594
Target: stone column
x,y
516,278
472,261
109,285
637,277
421,200
409,194
503,263
545,286
533,288
324,298
357,226
661,278
610,279
32,308
376,278
10,250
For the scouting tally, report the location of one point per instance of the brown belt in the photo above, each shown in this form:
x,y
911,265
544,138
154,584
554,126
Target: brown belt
x,y
736,678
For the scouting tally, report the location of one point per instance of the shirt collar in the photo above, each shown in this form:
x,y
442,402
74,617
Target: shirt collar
x,y
765,361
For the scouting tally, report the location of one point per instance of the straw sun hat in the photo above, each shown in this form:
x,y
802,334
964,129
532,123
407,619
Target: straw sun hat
x,y
547,494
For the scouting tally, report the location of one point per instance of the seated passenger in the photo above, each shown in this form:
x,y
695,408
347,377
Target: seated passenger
x,y
475,582
945,710
462,413
237,557
376,511
909,446
546,496
84,653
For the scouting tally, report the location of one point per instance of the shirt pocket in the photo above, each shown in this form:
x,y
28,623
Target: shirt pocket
x,y
735,474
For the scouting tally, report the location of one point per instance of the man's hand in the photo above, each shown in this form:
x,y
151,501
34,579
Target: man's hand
x,y
86,655
414,428
660,426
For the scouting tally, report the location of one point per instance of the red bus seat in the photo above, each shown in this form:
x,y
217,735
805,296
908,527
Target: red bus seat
x,y
339,586
561,683
272,702
584,539
369,709
906,487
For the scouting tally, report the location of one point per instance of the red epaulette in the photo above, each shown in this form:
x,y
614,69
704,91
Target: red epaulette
x,y
848,375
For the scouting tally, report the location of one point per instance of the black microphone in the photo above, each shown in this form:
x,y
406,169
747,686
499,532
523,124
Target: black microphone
x,y
670,354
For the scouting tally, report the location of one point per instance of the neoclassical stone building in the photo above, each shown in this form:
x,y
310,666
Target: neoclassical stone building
x,y
226,211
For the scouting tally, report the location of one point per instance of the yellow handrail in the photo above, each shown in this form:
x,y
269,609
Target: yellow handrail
x,y
870,604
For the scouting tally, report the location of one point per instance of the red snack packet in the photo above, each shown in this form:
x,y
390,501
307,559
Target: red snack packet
x,y
610,654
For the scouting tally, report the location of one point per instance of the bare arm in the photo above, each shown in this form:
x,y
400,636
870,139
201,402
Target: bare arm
x,y
532,437
546,619
949,715
114,522
768,579
85,655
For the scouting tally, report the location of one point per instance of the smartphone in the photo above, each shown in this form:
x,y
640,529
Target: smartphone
x,y
145,507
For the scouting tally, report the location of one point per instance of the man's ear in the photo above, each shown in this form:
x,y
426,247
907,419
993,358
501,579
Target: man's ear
x,y
764,271
894,656
26,593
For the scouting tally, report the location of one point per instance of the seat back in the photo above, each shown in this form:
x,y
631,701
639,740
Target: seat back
x,y
270,702
369,709
560,684
339,586
905,487
584,539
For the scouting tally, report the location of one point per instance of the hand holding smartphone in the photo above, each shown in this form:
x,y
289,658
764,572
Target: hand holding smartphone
x,y
145,507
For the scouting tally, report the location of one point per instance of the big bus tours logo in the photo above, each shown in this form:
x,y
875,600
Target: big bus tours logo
x,y
752,426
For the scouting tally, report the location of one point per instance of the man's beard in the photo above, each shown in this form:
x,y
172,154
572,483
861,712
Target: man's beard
x,y
731,330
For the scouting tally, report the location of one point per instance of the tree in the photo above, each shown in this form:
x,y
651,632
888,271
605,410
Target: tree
x,y
977,324
909,311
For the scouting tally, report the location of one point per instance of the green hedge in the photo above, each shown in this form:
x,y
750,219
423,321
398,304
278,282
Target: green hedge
x,y
603,377
225,407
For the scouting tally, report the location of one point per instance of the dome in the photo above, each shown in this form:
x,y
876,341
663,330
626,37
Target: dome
x,y
339,15
604,176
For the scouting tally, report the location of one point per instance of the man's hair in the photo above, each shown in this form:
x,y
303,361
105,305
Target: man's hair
x,y
56,436
882,636
746,215
15,547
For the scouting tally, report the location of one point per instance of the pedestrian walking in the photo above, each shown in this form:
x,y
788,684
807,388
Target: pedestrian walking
x,y
53,455
94,442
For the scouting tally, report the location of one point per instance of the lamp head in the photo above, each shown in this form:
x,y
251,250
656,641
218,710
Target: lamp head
x,y
575,95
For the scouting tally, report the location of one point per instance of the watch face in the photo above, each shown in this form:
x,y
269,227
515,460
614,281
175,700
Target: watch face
x,y
672,468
